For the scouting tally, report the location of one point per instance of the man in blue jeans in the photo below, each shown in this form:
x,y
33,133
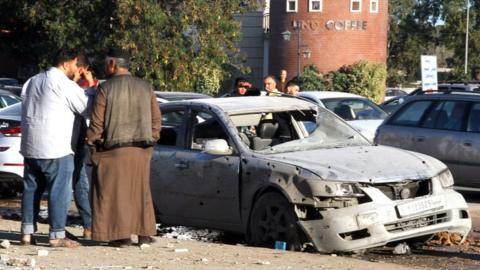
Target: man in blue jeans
x,y
50,101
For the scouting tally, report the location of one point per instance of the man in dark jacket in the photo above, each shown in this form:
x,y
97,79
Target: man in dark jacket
x,y
125,124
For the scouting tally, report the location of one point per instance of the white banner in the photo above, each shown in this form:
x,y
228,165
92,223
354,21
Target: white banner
x,y
429,72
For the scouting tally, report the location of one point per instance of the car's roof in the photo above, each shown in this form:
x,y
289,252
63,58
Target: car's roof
x,y
467,95
179,95
328,94
252,104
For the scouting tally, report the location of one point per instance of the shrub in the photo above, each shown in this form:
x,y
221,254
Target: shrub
x,y
310,79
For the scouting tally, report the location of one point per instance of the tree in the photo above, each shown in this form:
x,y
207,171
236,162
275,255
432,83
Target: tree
x,y
310,79
173,43
361,78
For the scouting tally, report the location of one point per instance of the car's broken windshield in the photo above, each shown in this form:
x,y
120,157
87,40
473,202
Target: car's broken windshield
x,y
297,130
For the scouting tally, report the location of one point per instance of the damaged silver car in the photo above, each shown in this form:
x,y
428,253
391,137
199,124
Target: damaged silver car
x,y
283,169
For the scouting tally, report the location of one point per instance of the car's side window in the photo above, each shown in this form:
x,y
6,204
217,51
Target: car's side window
x,y
474,118
205,127
451,115
172,123
411,114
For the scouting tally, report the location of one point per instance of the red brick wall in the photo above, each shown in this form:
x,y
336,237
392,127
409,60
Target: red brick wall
x,y
332,48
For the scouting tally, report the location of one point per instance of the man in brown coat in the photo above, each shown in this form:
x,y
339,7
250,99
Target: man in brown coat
x,y
125,124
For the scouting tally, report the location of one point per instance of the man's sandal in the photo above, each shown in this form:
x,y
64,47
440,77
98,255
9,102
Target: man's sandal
x,y
65,242
25,242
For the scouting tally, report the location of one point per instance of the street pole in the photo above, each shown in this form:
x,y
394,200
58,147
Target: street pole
x,y
298,28
466,37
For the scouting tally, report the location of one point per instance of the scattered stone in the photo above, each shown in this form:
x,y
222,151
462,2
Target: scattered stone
x,y
144,246
4,258
263,262
127,267
31,262
42,252
205,260
169,245
402,249
5,244
181,250
148,267
333,255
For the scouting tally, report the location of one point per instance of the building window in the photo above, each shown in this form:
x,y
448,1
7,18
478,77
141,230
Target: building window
x,y
292,5
315,5
355,5
373,6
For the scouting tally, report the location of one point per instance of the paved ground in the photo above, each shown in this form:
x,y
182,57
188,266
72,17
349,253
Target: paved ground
x,y
190,254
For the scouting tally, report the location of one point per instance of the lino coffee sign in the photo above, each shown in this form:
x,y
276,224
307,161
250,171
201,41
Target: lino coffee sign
x,y
337,25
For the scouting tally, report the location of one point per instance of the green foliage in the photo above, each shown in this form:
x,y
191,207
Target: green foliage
x,y
209,82
310,79
361,78
171,41
423,27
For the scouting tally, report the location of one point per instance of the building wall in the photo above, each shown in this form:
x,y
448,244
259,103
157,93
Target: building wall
x,y
351,37
252,45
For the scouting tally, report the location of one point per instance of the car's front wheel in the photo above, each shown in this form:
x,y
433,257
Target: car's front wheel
x,y
273,219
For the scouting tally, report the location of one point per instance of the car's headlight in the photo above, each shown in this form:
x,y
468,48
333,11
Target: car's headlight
x,y
445,178
343,190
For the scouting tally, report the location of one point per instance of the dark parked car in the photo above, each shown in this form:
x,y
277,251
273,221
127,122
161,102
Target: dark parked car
x,y
389,105
443,125
248,165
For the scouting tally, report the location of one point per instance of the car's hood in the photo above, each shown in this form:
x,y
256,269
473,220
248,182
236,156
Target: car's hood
x,y
368,164
366,127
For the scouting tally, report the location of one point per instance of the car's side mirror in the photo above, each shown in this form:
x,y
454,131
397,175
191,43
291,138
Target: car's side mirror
x,y
217,147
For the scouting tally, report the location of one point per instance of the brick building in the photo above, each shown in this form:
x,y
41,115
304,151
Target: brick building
x,y
332,33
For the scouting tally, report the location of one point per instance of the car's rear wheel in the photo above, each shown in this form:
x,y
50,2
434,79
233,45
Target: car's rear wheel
x,y
273,219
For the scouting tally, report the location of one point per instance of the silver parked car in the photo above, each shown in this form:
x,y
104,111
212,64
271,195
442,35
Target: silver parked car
x,y
443,125
248,165
360,112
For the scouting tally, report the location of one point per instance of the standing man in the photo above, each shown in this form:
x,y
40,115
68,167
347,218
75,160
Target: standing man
x,y
50,101
125,124
292,89
282,81
80,184
270,85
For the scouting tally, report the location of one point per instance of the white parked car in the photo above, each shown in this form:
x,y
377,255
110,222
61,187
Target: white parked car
x,y
360,112
11,161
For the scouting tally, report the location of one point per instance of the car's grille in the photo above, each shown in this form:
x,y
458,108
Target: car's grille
x,y
405,190
406,225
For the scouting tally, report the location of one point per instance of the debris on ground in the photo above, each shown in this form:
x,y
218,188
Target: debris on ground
x,y
264,262
144,246
179,250
402,249
42,253
186,233
447,239
5,244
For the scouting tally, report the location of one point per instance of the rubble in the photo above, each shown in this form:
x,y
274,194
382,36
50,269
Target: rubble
x,y
42,253
447,239
5,244
144,246
186,233
264,263
180,250
402,249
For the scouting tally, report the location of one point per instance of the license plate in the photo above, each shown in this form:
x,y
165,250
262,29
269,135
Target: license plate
x,y
419,206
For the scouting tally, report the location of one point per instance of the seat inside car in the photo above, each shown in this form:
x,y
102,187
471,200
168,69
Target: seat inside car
x,y
266,131
345,112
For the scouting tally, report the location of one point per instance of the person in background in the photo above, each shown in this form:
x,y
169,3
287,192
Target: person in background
x,y
270,86
242,85
124,126
282,81
80,183
50,100
292,89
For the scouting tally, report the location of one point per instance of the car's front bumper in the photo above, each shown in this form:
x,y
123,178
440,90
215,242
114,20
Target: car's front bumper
x,y
378,222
